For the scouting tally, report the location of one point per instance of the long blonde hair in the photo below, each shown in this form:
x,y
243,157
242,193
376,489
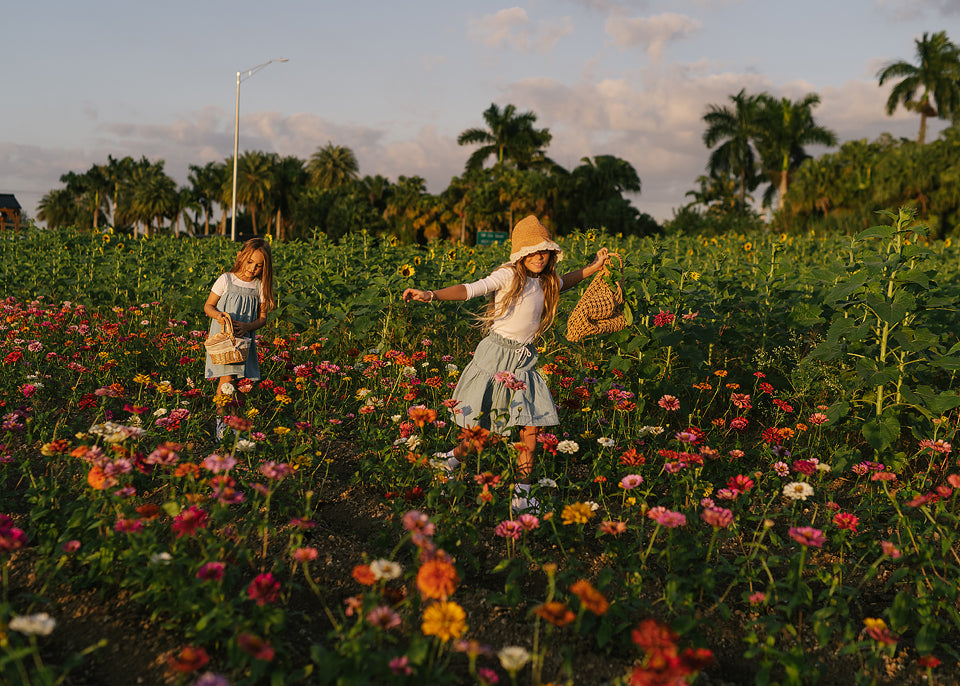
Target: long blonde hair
x,y
266,277
550,282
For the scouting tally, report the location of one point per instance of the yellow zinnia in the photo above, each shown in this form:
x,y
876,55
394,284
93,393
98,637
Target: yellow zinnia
x,y
577,513
445,620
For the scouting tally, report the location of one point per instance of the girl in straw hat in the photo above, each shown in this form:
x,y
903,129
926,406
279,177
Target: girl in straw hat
x,y
501,386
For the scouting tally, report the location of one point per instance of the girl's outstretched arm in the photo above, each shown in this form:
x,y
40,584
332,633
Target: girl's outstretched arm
x,y
571,279
458,292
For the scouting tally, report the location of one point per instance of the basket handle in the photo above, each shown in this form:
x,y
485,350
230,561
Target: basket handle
x,y
227,327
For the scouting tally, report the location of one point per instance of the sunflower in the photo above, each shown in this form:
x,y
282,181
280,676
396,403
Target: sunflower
x,y
407,271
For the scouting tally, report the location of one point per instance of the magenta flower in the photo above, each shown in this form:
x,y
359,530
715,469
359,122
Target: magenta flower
x,y
663,318
128,526
71,546
416,521
807,536
845,520
211,571
264,589
188,522
401,665
255,647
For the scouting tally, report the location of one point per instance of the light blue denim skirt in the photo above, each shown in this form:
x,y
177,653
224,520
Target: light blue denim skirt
x,y
487,403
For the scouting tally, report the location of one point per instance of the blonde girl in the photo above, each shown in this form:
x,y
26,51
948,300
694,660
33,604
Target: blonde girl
x,y
525,292
246,294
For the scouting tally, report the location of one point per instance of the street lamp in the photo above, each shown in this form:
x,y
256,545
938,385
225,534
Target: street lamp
x,y
241,76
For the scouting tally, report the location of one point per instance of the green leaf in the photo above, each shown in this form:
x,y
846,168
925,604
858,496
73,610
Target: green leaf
x,y
881,432
926,639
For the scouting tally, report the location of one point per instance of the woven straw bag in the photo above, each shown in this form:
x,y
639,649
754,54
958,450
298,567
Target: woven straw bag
x,y
224,347
600,309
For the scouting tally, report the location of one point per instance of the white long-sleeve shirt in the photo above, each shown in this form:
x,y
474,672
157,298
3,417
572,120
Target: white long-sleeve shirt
x,y
520,322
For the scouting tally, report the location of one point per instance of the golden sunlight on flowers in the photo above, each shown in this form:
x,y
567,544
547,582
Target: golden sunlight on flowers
x,y
577,513
437,579
445,620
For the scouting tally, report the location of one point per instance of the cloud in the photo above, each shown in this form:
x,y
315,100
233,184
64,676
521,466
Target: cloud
x,y
652,32
513,28
900,10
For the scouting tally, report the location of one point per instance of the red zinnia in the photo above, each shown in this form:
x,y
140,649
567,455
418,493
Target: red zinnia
x,y
264,589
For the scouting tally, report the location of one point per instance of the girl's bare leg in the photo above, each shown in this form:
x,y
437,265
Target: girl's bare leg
x,y
528,439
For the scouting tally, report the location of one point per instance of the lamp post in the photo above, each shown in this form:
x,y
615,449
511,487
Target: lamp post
x,y
241,76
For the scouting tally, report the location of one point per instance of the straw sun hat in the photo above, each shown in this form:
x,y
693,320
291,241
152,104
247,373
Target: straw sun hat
x,y
530,236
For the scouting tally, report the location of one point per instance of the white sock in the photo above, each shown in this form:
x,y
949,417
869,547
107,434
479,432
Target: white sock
x,y
452,462
525,488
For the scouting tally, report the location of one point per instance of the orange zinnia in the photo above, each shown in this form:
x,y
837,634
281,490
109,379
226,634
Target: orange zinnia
x,y
555,612
590,598
364,575
98,480
422,415
437,579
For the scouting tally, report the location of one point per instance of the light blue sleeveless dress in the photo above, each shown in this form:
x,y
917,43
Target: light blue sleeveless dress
x,y
243,305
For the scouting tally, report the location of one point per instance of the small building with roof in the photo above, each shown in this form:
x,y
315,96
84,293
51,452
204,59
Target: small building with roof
x,y
9,212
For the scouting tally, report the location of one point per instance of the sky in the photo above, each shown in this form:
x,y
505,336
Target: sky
x,y
396,82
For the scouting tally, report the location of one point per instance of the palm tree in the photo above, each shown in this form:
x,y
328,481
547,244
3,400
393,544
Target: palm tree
x,y
254,178
289,178
936,78
332,166
736,127
785,127
57,208
205,182
154,194
511,138
119,172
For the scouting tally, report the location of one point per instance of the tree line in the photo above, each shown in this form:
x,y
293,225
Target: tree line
x,y
755,139
290,198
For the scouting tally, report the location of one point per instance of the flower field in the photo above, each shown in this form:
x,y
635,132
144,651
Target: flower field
x,y
754,483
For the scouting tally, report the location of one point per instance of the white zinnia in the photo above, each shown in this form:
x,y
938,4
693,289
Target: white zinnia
x,y
568,447
513,658
40,624
606,442
385,569
798,490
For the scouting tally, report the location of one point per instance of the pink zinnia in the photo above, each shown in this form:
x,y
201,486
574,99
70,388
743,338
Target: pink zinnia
x,y
717,517
509,528
666,518
807,536
817,418
264,589
890,550
189,521
739,423
631,481
529,522
741,400
218,463
275,470
384,618
669,403
305,554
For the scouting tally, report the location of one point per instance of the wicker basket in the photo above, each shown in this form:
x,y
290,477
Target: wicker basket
x,y
600,309
224,347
